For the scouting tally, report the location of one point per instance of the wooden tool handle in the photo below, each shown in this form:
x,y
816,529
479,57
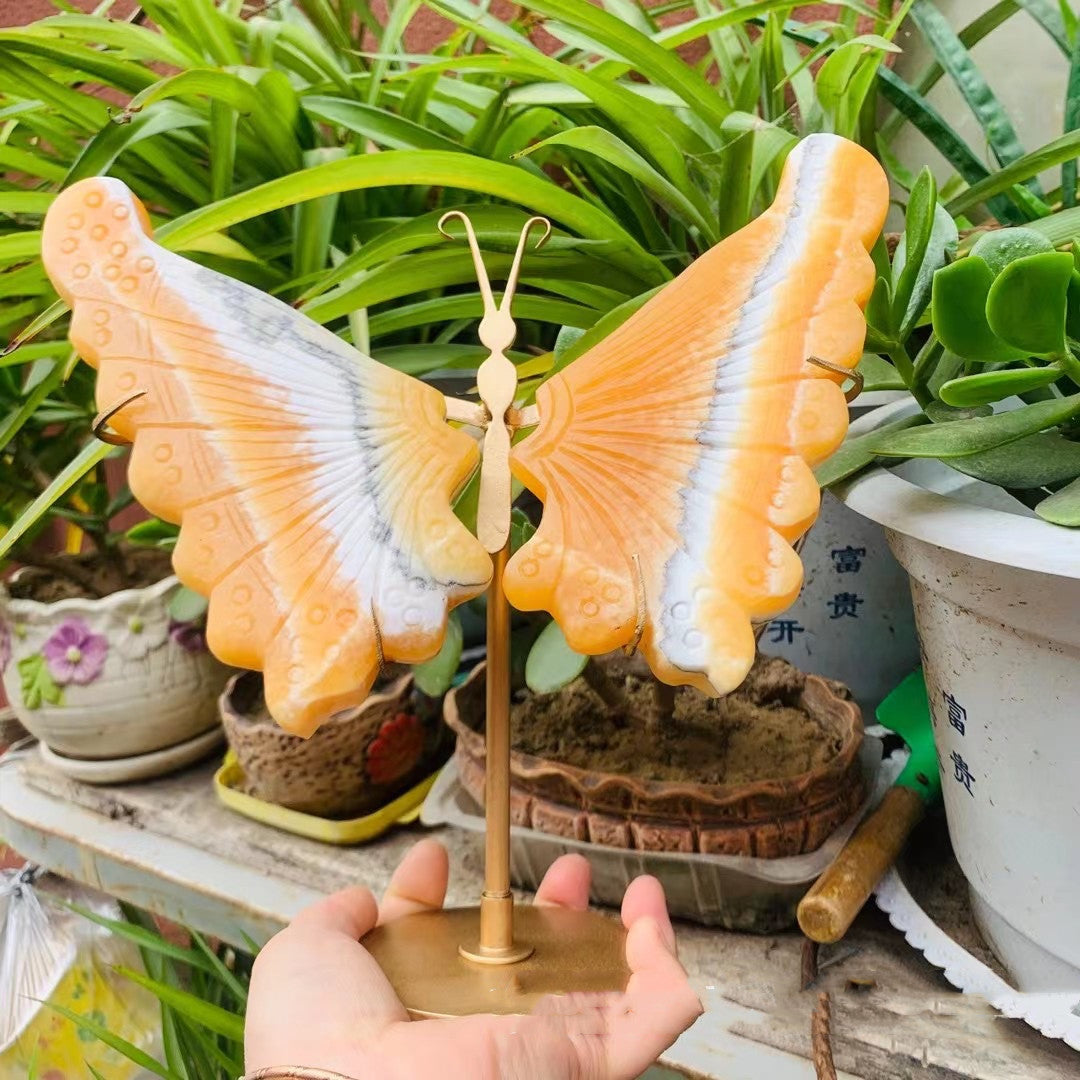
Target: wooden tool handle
x,y
830,907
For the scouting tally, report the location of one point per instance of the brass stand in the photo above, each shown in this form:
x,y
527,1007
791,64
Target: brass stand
x,y
496,958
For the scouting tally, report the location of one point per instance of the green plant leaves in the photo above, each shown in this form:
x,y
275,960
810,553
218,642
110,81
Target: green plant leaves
x,y
435,676
153,533
186,605
929,240
960,292
212,1017
999,247
409,167
1062,508
981,433
90,455
856,452
1033,462
1026,303
989,386
121,1046
552,664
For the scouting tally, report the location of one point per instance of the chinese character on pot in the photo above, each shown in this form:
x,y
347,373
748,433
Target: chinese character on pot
x,y
848,560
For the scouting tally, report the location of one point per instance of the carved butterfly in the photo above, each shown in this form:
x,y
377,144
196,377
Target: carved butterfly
x,y
314,485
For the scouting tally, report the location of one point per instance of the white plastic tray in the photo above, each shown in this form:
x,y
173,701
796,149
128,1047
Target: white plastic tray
x,y
732,891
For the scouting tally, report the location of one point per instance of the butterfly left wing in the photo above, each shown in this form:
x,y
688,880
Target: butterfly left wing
x,y
674,458
312,485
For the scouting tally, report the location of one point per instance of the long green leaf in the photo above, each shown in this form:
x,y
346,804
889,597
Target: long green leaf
x,y
609,147
17,246
470,306
213,1017
646,55
981,433
126,1049
410,167
855,453
138,935
1072,122
91,454
113,139
657,132
227,977
380,125
1033,462
956,60
1053,153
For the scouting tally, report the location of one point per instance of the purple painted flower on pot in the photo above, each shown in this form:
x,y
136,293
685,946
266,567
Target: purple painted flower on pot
x,y
5,646
191,637
74,653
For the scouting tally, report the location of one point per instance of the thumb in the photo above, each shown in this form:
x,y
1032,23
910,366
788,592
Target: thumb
x,y
352,912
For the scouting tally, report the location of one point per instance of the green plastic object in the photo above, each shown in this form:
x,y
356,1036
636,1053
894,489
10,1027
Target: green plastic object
x,y
907,712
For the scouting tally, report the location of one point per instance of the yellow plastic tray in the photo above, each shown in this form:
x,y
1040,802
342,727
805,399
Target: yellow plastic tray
x,y
404,810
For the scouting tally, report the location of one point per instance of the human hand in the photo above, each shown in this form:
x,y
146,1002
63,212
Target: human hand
x,y
319,1000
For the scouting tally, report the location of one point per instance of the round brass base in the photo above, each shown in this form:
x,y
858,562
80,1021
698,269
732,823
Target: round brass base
x,y
571,951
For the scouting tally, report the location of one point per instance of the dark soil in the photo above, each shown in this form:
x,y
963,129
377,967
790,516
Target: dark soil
x,y
90,576
760,731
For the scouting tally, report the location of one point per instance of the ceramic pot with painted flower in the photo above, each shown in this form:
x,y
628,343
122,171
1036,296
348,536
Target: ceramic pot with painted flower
x,y
356,762
110,677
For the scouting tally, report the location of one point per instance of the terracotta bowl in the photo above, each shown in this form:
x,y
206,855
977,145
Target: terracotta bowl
x,y
770,818
358,760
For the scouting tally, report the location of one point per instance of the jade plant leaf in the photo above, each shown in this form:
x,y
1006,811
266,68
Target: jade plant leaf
x,y
1062,508
1003,246
37,683
987,387
940,413
1072,311
1026,303
980,433
959,312
435,676
186,605
855,453
552,664
1032,462
878,374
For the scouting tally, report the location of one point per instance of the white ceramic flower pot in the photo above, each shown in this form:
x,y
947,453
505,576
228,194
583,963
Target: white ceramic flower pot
x,y
997,603
109,678
853,619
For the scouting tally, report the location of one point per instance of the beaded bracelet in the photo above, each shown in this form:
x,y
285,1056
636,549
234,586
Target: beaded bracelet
x,y
292,1072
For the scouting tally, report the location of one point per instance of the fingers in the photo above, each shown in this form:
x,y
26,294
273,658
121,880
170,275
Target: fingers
x,y
645,899
566,884
659,1003
352,912
419,882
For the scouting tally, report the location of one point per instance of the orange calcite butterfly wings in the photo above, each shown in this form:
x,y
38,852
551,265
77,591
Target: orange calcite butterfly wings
x,y
674,458
313,485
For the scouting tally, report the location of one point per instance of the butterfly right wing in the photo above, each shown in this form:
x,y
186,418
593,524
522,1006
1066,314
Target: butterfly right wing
x,y
313,486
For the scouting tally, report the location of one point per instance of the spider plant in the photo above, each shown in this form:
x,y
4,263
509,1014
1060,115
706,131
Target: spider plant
x,y
202,987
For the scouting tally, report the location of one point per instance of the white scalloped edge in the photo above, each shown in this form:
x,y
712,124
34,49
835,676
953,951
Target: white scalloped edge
x,y
1051,1014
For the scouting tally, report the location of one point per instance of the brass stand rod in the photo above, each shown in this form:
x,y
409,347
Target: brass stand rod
x,y
496,904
